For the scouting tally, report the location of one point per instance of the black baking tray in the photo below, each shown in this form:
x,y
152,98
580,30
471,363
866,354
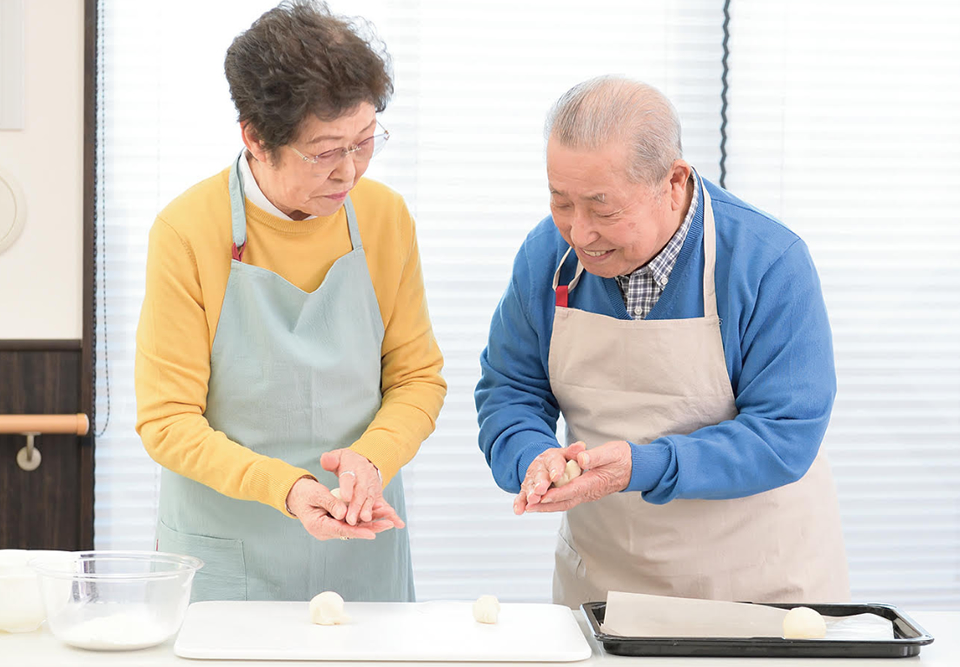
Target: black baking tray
x,y
909,637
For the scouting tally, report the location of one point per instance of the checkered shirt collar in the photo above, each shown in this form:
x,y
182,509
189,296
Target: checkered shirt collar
x,y
660,266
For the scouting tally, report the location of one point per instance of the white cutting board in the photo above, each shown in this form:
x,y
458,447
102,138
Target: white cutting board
x,y
421,631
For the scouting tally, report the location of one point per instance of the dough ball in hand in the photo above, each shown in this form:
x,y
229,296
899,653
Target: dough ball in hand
x,y
486,609
570,473
804,623
327,609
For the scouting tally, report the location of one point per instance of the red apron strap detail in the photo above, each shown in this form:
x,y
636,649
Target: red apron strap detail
x,y
562,292
238,252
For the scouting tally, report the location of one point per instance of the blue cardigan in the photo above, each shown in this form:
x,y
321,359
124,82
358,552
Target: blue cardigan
x,y
776,341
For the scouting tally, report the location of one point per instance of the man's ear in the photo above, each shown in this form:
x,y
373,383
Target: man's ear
x,y
680,174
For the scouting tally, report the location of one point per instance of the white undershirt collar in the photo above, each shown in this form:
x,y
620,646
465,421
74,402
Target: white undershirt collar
x,y
252,191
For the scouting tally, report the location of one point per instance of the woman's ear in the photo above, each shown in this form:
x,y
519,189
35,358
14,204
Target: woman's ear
x,y
251,139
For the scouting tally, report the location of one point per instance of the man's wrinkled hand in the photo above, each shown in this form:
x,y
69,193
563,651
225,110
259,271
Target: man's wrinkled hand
x,y
541,473
606,469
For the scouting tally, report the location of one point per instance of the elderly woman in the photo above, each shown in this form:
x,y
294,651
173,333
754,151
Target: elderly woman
x,y
284,346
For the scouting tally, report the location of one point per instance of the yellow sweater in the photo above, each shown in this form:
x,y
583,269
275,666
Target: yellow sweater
x,y
188,263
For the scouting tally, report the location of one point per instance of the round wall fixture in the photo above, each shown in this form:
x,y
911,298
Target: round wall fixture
x,y
13,211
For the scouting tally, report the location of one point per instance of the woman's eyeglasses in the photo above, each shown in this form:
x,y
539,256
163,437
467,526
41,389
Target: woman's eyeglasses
x,y
362,152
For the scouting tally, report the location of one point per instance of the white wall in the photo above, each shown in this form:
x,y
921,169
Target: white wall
x,y
40,274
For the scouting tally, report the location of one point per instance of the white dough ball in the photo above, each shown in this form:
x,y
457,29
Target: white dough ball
x,y
486,609
804,623
570,473
327,609
336,493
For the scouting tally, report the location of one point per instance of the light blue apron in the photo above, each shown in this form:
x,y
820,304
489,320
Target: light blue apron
x,y
292,375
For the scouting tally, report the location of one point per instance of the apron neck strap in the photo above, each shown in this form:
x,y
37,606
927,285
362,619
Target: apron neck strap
x,y
352,224
564,290
238,209
709,252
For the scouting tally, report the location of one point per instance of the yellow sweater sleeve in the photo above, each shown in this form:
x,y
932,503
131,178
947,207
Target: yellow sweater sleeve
x,y
171,376
413,389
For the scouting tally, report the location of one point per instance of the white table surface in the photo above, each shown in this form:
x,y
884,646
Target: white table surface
x,y
40,648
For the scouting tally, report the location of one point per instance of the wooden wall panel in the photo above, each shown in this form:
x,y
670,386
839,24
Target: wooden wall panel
x,y
52,506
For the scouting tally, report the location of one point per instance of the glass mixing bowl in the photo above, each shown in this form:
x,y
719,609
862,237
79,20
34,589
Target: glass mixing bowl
x,y
115,600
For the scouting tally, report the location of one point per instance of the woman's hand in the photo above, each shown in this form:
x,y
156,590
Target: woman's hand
x,y
541,473
322,514
360,488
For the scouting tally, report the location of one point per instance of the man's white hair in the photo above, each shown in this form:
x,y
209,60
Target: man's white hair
x,y
609,108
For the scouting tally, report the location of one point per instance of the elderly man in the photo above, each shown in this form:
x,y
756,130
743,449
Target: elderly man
x,y
682,334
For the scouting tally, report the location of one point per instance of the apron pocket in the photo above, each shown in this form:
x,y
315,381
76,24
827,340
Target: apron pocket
x,y
223,575
568,557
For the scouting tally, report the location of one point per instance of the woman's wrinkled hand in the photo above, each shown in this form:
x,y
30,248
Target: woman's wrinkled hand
x,y
322,514
360,488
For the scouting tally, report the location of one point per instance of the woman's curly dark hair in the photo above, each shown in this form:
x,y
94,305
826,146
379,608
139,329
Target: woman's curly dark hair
x,y
299,59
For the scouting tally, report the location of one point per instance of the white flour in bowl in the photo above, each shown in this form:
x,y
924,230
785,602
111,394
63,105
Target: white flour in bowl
x,y
117,632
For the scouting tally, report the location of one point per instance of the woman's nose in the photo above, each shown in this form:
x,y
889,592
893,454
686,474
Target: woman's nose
x,y
346,169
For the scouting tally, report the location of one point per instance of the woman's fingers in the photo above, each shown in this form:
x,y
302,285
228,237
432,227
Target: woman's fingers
x,y
366,511
348,480
308,493
382,511
364,490
328,528
360,485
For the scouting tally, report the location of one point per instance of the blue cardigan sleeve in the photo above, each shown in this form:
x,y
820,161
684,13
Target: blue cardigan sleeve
x,y
516,410
784,394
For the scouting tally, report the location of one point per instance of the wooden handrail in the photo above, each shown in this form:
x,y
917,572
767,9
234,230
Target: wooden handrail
x,y
77,424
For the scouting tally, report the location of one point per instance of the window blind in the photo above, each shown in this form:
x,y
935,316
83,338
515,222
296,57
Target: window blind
x,y
474,81
843,123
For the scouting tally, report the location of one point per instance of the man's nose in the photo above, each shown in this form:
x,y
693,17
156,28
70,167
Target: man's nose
x,y
581,230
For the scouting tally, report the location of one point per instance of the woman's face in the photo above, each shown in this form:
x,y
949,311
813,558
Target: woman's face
x,y
301,189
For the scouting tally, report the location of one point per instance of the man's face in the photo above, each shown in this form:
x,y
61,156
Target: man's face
x,y
615,226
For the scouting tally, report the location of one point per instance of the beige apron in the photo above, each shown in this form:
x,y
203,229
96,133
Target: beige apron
x,y
637,380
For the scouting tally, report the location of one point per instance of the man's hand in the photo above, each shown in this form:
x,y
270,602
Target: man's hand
x,y
360,488
321,513
606,469
541,473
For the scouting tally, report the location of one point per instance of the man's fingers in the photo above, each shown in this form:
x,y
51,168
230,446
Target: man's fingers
x,y
606,454
576,488
554,507
520,503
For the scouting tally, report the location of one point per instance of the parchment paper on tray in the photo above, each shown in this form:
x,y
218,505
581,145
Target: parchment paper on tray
x,y
638,615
